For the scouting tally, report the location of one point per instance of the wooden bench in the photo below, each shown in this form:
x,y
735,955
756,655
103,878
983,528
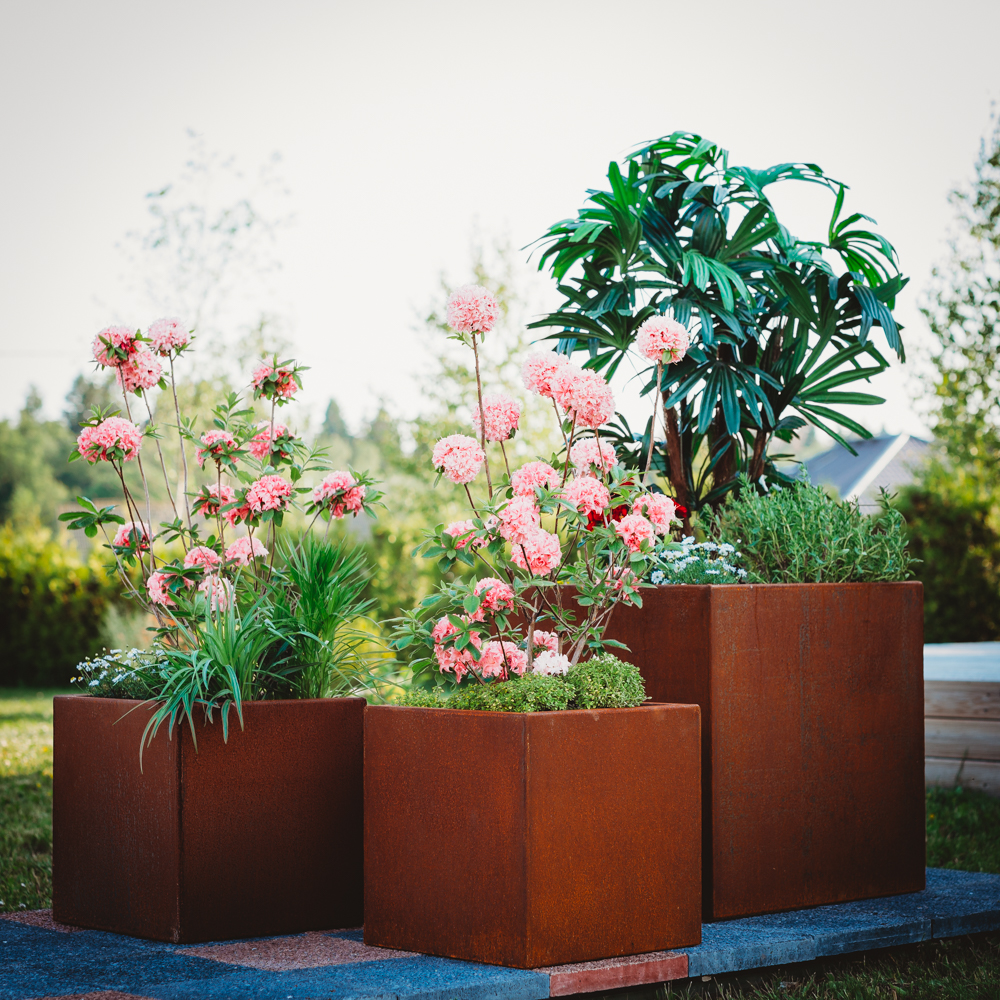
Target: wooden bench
x,y
962,715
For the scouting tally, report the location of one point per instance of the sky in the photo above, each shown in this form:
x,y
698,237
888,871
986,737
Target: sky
x,y
405,129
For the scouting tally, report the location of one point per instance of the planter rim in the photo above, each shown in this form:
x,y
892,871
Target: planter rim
x,y
746,586
265,701
525,715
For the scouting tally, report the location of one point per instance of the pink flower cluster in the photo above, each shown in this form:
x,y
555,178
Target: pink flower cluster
x,y
584,395
539,552
132,534
660,509
662,339
587,494
214,445
593,453
217,590
459,457
285,387
545,640
201,555
243,549
269,493
551,663
463,531
113,434
538,371
168,335
502,415
115,344
260,444
157,587
533,474
451,660
501,658
472,309
207,502
634,529
141,371
518,518
339,492
495,596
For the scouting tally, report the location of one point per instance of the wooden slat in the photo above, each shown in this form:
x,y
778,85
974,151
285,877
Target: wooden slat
x,y
977,739
983,775
962,699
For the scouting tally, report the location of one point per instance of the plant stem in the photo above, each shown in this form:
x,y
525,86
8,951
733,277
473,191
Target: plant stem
x,y
145,485
569,448
218,506
652,422
180,438
163,469
503,451
482,417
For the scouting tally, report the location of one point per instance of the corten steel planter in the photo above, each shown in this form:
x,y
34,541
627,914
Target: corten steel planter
x,y
813,743
260,836
532,839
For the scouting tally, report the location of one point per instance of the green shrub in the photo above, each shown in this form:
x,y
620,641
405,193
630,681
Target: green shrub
x,y
799,534
52,605
603,682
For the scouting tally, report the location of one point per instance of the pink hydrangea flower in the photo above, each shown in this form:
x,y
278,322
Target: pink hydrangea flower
x,y
208,506
542,550
141,371
584,395
593,453
202,555
157,587
622,577
168,335
463,531
214,445
501,658
545,640
285,387
472,309
113,434
459,457
495,595
533,474
451,660
124,538
217,590
587,494
660,509
538,370
340,493
236,515
243,548
502,415
634,529
260,443
518,518
115,344
551,664
662,339
269,493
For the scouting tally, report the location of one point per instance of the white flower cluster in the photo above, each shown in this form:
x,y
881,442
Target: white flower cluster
x,y
699,562
126,673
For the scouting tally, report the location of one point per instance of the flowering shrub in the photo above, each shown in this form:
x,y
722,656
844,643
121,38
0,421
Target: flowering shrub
x,y
577,520
231,623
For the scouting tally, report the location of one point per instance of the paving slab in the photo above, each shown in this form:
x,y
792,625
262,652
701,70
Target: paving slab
x,y
42,959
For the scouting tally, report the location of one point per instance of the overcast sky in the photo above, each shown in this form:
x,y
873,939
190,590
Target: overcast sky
x,y
403,126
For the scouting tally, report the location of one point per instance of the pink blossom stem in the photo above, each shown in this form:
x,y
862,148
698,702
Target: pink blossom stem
x,y
652,422
503,451
145,488
180,438
121,569
559,422
482,417
471,501
569,448
163,469
218,506
135,516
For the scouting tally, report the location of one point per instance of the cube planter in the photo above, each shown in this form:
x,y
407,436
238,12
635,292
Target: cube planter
x,y
813,743
259,836
532,839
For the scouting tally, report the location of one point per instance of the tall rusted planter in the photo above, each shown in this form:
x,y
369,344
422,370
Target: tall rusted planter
x,y
258,836
812,722
532,839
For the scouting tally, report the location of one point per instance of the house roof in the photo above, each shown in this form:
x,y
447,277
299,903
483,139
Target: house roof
x,y
889,461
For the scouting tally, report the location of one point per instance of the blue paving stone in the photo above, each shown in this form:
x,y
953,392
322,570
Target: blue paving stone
x,y
963,902
731,945
405,979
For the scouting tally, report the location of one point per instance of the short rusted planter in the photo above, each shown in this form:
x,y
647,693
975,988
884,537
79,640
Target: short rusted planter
x,y
260,836
532,839
813,741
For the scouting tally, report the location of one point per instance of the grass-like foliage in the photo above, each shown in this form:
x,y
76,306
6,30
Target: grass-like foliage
x,y
601,682
963,830
799,534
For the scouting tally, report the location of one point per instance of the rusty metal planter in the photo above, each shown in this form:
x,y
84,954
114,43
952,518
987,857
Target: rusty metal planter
x,y
812,702
260,836
532,839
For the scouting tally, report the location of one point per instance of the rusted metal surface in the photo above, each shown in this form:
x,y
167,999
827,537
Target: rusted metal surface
x,y
532,839
260,836
812,715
